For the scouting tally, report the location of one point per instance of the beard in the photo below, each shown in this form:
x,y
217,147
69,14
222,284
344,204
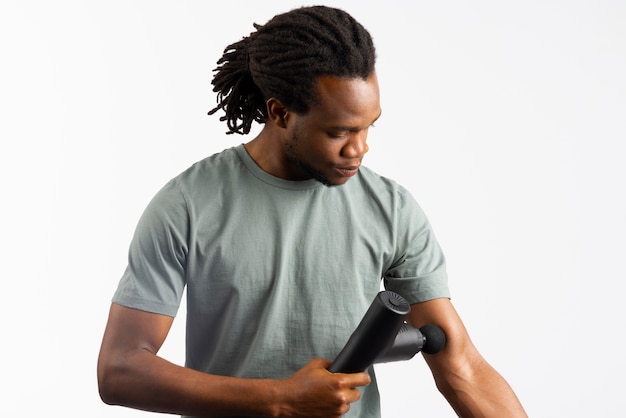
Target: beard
x,y
293,157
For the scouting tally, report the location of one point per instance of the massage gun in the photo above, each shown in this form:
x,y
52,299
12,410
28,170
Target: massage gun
x,y
383,336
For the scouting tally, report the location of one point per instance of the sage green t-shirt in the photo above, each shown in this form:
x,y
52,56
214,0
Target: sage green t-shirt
x,y
277,272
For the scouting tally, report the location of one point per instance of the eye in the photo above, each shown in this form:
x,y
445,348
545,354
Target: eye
x,y
338,134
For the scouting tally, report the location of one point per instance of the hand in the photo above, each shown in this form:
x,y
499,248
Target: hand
x,y
313,391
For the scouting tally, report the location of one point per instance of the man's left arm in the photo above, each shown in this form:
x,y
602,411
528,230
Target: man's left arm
x,y
470,385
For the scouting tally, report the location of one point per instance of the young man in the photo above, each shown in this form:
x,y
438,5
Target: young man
x,y
281,244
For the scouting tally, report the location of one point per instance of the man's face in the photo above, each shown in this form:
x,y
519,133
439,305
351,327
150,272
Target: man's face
x,y
329,141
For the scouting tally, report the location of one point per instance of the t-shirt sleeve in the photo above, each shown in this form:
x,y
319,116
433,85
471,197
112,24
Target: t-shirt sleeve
x,y
418,272
154,279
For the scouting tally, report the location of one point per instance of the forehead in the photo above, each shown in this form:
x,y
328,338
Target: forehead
x,y
347,101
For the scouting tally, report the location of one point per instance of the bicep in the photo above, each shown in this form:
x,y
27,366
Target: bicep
x,y
469,383
459,351
130,329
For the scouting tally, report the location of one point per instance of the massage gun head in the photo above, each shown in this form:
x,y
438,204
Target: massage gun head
x,y
435,339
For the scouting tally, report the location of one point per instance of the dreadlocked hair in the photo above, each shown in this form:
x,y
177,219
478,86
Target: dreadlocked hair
x,y
284,58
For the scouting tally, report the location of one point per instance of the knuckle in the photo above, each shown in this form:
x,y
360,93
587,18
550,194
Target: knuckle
x,y
342,398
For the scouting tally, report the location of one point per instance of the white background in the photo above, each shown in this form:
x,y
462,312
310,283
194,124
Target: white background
x,y
505,119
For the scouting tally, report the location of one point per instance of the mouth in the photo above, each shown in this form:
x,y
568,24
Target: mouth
x,y
348,171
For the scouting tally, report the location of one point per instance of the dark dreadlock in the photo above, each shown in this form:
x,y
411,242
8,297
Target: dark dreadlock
x,y
283,59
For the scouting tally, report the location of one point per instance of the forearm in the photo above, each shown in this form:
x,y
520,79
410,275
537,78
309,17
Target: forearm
x,y
131,374
145,381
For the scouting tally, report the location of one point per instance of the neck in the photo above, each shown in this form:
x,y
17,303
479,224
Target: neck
x,y
266,151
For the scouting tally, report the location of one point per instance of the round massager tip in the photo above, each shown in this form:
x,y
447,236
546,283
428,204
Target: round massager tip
x,y
435,338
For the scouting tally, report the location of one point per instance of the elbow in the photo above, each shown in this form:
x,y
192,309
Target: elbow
x,y
106,387
107,396
110,382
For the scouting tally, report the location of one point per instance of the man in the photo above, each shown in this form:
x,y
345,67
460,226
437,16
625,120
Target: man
x,y
281,244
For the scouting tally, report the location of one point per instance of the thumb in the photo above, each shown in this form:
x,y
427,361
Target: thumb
x,y
319,363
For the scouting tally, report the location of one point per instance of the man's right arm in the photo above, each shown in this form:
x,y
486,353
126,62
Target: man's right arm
x,y
131,374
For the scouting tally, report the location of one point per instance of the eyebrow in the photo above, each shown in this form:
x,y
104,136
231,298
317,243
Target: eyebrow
x,y
356,128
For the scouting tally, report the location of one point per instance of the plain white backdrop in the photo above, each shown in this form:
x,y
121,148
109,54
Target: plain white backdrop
x,y
506,120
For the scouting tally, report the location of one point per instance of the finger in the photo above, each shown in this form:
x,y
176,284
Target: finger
x,y
320,363
352,395
354,379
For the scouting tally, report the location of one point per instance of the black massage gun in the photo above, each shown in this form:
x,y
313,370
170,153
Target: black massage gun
x,y
383,336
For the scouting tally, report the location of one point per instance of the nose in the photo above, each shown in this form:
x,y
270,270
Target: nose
x,y
357,146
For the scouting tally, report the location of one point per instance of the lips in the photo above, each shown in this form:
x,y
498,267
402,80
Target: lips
x,y
348,171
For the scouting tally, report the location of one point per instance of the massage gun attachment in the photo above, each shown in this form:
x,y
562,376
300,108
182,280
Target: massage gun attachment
x,y
429,339
383,336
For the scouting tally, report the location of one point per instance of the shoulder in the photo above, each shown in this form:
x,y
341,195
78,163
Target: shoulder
x,y
219,163
206,174
385,188
203,178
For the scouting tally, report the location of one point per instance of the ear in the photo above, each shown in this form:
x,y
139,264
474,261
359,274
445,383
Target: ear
x,y
277,113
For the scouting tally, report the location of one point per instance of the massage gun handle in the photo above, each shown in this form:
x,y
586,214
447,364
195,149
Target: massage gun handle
x,y
374,335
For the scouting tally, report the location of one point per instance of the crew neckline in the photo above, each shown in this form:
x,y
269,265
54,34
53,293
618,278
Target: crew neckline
x,y
265,177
